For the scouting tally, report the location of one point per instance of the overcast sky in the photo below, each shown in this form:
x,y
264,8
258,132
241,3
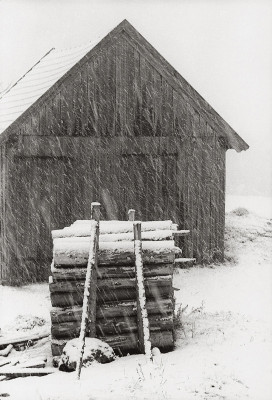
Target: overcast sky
x,y
222,47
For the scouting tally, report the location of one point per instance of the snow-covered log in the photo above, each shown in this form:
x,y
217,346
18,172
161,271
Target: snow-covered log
x,y
163,234
83,228
75,252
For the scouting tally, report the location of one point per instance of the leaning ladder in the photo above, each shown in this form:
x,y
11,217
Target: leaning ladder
x,y
89,299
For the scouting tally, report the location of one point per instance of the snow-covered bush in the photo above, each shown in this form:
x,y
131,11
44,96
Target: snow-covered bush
x,y
95,351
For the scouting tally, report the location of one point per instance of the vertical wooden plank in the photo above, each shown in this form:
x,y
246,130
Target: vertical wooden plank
x,y
84,102
137,95
157,102
110,74
209,190
3,215
131,215
148,117
179,115
167,109
120,89
196,178
42,120
129,90
202,187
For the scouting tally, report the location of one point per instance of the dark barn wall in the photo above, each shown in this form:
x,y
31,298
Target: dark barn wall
x,y
3,162
116,132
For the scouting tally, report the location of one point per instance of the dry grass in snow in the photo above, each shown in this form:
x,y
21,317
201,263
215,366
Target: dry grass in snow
x,y
223,334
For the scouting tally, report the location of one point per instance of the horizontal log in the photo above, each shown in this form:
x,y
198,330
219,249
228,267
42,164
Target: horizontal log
x,y
121,325
69,293
113,326
128,308
68,274
181,233
129,271
16,372
83,227
5,352
111,310
112,271
68,330
118,237
110,284
124,344
37,362
4,361
104,295
75,251
21,339
185,262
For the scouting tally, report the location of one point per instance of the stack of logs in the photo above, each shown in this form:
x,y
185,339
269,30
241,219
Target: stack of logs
x,y
116,306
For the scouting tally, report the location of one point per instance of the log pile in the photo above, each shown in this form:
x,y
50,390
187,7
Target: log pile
x,y
116,310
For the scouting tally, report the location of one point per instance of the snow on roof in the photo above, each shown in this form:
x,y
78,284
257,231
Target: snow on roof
x,y
41,77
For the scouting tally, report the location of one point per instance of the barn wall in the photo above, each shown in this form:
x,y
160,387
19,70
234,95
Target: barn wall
x,y
116,132
2,209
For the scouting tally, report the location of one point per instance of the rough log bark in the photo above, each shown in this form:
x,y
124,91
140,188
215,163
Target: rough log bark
x,y
114,271
112,310
104,295
74,252
113,326
110,284
123,344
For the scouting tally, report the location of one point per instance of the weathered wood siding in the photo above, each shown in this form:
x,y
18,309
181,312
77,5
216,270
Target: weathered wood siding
x,y
3,165
116,132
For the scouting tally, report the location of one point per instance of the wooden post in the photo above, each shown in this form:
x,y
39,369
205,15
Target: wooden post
x,y
95,211
131,215
142,318
89,299
95,215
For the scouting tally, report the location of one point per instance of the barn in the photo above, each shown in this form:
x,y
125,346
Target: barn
x,y
110,121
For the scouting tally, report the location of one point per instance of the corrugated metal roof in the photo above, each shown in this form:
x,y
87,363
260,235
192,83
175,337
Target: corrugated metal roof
x,y
41,77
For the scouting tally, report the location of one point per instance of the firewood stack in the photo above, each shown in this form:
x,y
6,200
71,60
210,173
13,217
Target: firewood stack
x,y
116,305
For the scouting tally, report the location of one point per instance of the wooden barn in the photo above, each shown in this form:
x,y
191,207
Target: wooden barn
x,y
112,122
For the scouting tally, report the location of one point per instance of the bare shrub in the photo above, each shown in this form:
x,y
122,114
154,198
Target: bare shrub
x,y
240,211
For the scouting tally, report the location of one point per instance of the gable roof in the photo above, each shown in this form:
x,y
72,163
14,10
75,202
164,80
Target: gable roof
x,y
55,66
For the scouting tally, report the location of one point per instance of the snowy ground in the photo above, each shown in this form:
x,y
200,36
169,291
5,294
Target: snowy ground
x,y
223,345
